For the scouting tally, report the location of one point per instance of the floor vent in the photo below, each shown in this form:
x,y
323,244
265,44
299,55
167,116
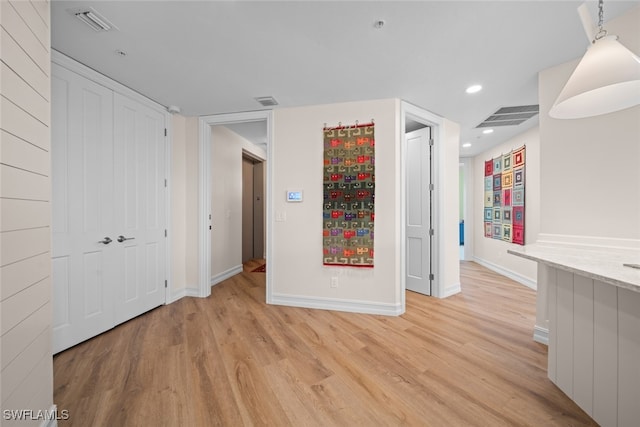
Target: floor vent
x,y
510,116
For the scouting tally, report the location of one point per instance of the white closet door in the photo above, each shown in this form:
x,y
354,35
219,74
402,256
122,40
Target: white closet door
x,y
108,174
82,190
140,206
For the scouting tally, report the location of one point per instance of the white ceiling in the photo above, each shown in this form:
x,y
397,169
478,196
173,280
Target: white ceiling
x,y
211,57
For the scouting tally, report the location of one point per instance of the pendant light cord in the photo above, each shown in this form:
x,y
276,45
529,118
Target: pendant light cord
x,y
601,31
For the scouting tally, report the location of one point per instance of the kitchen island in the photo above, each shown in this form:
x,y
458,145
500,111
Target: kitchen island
x,y
593,309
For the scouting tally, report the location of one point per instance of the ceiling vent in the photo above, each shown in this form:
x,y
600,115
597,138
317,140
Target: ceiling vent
x,y
510,116
93,19
267,101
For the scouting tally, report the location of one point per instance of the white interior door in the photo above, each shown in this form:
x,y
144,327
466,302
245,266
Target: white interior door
x,y
418,211
82,216
139,207
108,170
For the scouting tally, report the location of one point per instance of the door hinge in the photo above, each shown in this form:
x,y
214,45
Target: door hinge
x,y
431,142
165,131
431,187
165,183
431,277
431,232
165,284
165,232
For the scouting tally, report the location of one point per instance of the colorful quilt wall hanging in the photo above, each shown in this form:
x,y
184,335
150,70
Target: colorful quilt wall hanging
x,y
504,183
349,195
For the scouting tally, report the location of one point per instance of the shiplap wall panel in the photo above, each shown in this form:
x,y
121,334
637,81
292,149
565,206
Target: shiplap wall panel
x,y
27,10
605,354
20,184
30,387
18,307
20,275
24,96
22,244
583,342
15,372
23,125
17,153
25,259
24,333
628,357
20,214
42,7
15,25
19,61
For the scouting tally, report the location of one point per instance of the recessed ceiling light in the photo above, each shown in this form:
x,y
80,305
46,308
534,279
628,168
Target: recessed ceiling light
x,y
487,131
466,145
474,89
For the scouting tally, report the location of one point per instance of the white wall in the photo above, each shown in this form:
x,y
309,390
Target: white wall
x,y
184,206
26,379
299,277
590,179
448,188
178,215
191,157
492,252
226,200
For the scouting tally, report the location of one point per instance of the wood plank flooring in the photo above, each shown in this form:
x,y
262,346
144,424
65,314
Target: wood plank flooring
x,y
232,360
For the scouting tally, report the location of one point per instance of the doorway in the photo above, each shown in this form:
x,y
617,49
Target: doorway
x,y
432,264
252,207
206,201
419,198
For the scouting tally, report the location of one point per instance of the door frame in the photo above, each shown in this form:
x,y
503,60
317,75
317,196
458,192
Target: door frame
x,y
204,192
436,123
71,64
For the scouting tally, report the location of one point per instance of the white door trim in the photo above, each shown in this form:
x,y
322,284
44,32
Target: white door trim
x,y
204,193
91,74
435,122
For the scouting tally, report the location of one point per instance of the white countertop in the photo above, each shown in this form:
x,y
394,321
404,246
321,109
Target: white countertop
x,y
603,265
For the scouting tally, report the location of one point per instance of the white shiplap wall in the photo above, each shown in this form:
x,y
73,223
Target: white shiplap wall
x,y
26,380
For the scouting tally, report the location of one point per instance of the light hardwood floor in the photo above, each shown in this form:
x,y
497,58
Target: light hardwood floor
x,y
232,360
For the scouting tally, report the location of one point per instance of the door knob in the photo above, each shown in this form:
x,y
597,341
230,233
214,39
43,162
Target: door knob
x,y
106,240
122,238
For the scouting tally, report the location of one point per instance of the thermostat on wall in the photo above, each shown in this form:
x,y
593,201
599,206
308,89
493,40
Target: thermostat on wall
x,y
294,195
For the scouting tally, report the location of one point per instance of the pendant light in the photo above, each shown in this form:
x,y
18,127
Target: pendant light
x,y
607,79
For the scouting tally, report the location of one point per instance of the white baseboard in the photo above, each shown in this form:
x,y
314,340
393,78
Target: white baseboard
x,y
226,274
588,241
181,293
507,273
364,307
541,335
452,290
